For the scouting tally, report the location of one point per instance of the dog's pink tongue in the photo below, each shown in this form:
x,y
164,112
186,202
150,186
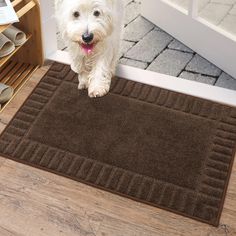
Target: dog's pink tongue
x,y
88,48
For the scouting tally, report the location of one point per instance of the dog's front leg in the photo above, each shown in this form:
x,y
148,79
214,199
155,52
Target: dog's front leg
x,y
100,78
74,67
83,80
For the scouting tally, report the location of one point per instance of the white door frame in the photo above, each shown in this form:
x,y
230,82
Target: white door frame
x,y
211,42
221,95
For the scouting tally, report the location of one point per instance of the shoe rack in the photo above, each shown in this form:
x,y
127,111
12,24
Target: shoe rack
x,y
17,68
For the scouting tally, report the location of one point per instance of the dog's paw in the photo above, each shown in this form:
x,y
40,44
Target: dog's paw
x,y
98,91
83,82
83,85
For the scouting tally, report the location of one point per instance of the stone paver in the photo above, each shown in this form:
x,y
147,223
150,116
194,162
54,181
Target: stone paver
x,y
132,11
202,4
228,2
233,10
181,3
129,62
197,77
137,29
185,3
226,81
171,62
150,46
214,12
175,44
202,66
125,46
229,24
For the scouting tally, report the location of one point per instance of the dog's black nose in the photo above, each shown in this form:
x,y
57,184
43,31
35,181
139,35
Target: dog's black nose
x,y
87,37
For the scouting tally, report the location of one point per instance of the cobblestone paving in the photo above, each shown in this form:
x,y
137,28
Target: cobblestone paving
x,y
221,13
148,47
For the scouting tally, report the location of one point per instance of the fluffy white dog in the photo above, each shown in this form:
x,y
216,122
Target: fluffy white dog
x,y
92,31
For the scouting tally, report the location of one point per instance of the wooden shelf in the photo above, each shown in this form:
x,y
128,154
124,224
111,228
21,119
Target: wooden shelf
x,y
20,12
16,2
17,68
16,74
3,60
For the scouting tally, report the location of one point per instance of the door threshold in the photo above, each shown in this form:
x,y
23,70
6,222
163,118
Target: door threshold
x,y
192,88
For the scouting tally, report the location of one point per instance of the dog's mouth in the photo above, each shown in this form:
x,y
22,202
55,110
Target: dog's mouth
x,y
87,48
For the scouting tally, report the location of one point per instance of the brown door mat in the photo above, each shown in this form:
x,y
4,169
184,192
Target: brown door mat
x,y
155,146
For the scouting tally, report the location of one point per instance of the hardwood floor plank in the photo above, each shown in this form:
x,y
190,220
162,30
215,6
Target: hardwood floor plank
x,y
2,160
6,232
2,126
60,203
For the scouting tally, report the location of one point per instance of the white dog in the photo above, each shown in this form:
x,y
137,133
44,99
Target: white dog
x,y
92,31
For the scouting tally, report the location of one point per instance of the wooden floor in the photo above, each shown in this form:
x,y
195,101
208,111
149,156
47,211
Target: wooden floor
x,y
37,203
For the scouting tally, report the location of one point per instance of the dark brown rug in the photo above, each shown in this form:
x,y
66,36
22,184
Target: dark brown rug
x,y
155,146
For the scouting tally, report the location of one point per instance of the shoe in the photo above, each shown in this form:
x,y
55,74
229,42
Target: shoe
x,y
17,36
6,92
6,46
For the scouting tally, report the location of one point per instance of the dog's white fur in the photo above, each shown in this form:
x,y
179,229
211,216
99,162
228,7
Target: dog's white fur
x,y
95,69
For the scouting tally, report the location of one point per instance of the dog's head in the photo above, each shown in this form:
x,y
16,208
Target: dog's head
x,y
86,22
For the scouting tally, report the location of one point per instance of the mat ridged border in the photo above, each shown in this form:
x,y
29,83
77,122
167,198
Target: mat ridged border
x,y
204,203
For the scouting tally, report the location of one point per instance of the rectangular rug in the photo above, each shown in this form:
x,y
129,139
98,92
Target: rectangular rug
x,y
152,145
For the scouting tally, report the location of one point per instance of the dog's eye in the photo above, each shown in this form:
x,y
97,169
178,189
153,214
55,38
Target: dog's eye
x,y
76,14
97,13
